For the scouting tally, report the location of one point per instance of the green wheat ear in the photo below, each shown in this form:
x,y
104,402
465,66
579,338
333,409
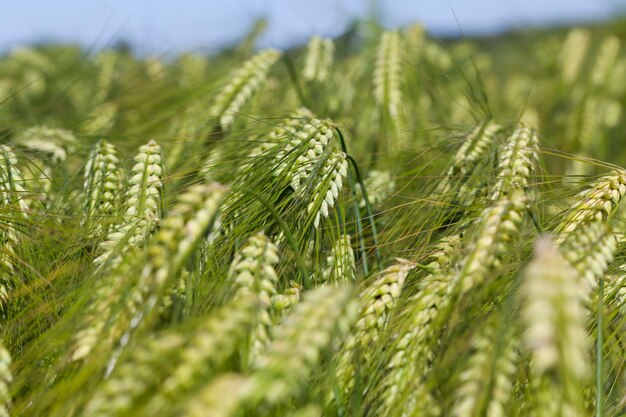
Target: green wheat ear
x,y
51,143
284,372
316,158
386,81
143,204
242,85
573,52
103,185
516,161
48,149
174,363
117,301
590,251
486,381
283,303
15,212
596,203
412,351
319,59
5,379
377,303
380,186
458,184
341,263
252,271
553,312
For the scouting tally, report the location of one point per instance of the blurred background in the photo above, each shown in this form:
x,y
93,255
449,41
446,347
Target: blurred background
x,y
166,27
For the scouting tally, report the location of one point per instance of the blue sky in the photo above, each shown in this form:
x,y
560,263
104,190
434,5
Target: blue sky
x,y
171,26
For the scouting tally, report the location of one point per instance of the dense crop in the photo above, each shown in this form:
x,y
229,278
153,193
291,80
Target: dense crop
x,y
380,225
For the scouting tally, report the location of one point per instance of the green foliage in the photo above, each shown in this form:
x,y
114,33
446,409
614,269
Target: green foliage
x,y
384,224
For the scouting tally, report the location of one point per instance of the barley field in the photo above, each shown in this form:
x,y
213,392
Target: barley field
x,y
382,224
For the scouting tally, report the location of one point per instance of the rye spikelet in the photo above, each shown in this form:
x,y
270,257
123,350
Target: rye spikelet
x,y
319,59
241,86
